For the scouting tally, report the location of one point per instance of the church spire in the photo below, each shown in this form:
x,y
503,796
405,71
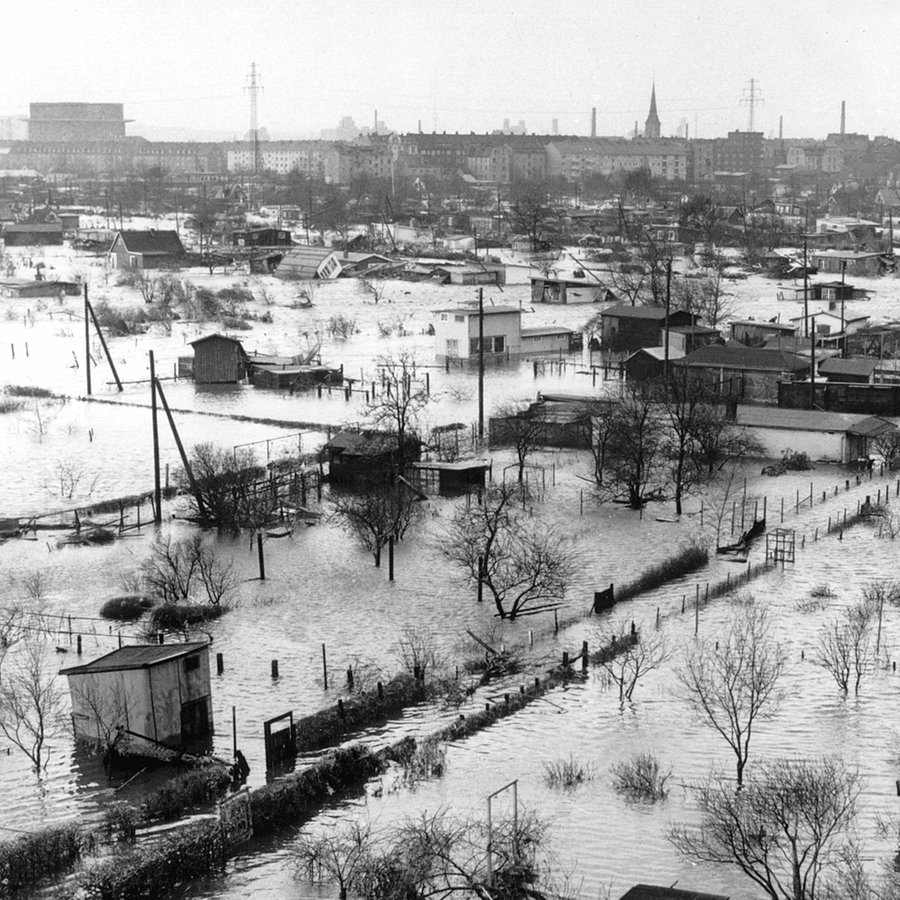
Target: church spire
x,y
651,126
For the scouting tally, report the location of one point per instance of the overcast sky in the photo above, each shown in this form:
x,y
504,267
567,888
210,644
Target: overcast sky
x,y
462,64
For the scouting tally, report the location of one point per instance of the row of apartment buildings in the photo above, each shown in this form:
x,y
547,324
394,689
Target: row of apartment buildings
x,y
496,158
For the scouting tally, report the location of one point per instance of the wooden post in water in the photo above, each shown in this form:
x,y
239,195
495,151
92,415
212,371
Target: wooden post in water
x,y
262,561
584,656
220,664
87,342
391,558
274,668
324,668
234,728
697,612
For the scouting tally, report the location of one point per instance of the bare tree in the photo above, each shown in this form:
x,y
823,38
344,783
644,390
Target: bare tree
x,y
845,647
399,406
106,709
887,445
628,447
417,651
522,427
518,560
31,701
783,830
706,295
376,512
342,857
636,659
12,616
733,684
176,570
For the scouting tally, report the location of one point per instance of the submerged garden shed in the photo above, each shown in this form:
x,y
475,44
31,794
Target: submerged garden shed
x,y
218,359
160,692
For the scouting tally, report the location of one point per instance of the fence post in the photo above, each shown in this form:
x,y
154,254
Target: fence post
x,y
324,668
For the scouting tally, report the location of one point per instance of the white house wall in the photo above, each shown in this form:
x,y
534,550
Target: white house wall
x,y
824,445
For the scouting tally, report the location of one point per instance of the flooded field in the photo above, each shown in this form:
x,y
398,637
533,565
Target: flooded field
x,y
322,588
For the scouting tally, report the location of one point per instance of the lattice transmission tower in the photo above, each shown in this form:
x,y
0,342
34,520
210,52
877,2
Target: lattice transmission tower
x,y
253,88
752,96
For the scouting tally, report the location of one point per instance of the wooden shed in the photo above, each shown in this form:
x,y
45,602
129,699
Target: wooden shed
x,y
658,892
366,455
159,692
219,359
451,477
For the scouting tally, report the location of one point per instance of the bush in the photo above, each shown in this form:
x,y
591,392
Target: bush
x,y
35,856
176,616
235,294
187,791
120,822
640,778
341,326
11,406
567,773
236,324
127,608
24,390
687,560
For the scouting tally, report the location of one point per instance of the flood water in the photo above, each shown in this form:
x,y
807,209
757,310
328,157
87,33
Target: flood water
x,y
322,588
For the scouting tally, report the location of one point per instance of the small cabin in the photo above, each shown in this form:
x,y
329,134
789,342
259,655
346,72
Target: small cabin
x,y
219,359
366,455
160,692
152,249
450,477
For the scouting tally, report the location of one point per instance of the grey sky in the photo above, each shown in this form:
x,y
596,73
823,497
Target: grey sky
x,y
462,65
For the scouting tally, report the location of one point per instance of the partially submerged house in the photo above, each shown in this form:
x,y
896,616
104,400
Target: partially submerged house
x,y
150,249
561,420
218,359
829,436
649,363
360,456
853,262
308,263
456,334
158,692
629,328
293,373
449,477
553,289
29,287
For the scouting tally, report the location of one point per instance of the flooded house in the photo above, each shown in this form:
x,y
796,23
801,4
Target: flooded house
x,y
158,692
553,289
755,333
629,328
859,370
360,456
37,234
456,334
650,363
306,263
218,359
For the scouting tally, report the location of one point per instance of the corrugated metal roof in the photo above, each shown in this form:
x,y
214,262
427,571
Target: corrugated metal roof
x,y
136,656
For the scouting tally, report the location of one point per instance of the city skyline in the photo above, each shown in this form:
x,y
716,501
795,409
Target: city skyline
x,y
465,68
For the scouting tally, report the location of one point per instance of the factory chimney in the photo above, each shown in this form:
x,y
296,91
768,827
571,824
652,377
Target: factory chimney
x,y
593,121
843,116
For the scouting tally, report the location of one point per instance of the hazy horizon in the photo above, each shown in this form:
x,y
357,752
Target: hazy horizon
x,y
462,68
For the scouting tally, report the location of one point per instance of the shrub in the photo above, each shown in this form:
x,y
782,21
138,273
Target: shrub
x,y
235,294
176,616
128,607
640,778
567,773
11,406
341,326
687,560
184,792
235,323
24,390
120,822
31,857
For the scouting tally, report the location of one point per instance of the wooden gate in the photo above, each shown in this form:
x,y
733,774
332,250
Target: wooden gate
x,y
281,749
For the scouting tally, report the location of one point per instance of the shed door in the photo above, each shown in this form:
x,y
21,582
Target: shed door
x,y
195,718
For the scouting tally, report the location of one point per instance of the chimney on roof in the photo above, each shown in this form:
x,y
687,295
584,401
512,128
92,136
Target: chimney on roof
x,y
843,116
593,121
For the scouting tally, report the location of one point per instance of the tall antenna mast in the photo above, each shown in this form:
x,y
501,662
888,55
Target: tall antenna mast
x,y
254,86
752,96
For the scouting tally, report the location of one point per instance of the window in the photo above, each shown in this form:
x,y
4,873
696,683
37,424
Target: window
x,y
492,344
459,318
192,663
453,349
444,317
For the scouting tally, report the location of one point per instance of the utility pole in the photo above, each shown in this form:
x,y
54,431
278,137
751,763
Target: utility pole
x,y
87,341
805,293
812,366
157,492
843,323
668,299
480,363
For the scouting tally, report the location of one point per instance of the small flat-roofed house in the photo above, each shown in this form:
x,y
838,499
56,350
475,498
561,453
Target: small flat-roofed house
x,y
156,691
456,332
860,370
629,328
308,263
853,262
261,237
831,436
654,892
357,263
29,287
219,359
688,338
37,234
550,289
753,333
449,478
150,249
649,362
